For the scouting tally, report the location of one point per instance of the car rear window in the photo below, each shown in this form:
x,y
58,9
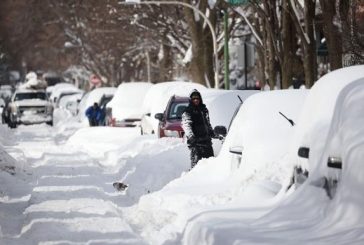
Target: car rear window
x,y
176,110
27,96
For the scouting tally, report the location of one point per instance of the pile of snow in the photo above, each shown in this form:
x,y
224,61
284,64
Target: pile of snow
x,y
14,175
97,141
222,104
145,163
32,82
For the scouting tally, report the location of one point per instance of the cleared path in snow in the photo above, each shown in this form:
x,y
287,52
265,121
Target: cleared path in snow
x,y
71,201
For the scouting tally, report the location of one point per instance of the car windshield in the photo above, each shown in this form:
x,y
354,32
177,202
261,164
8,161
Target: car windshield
x,y
177,108
30,95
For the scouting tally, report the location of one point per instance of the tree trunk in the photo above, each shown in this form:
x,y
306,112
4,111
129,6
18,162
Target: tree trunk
x,y
209,52
332,34
272,74
310,60
260,52
271,51
165,64
288,44
201,65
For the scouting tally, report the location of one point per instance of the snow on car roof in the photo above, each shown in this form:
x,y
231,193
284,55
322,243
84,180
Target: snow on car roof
x,y
157,97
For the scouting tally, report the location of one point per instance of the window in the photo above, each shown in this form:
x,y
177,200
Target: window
x,y
30,95
177,110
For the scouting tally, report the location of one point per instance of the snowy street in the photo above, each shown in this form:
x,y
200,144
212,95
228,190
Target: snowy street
x,y
64,197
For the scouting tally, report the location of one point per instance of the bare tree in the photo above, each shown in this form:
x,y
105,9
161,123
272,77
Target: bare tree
x,y
307,36
332,33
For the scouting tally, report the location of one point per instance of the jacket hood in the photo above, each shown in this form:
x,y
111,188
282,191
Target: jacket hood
x,y
196,92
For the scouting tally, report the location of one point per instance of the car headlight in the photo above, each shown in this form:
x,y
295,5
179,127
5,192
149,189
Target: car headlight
x,y
171,133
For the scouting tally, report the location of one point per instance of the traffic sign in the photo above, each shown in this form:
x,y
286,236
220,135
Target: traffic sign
x,y
95,80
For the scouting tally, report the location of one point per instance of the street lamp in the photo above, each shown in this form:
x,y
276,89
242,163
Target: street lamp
x,y
213,34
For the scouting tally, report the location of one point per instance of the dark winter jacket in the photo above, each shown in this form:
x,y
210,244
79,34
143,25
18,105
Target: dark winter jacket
x,y
196,123
93,113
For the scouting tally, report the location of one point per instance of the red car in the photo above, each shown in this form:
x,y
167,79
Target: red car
x,y
170,120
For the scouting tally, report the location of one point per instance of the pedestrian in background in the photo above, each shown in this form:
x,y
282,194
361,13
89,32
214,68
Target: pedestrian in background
x,y
93,114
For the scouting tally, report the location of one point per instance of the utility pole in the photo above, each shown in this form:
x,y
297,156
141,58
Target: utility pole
x,y
226,50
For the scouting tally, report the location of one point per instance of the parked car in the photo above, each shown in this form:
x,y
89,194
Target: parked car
x,y
70,102
29,107
125,108
62,89
312,132
170,120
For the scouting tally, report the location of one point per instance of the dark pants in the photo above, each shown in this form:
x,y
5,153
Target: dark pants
x,y
200,151
93,122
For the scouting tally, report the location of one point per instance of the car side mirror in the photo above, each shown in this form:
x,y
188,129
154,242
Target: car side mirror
x,y
236,150
304,152
220,130
334,162
148,114
159,116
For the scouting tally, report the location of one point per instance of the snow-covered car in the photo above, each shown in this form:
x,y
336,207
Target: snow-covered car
x,y
70,102
99,95
311,133
222,104
63,89
125,108
29,107
157,98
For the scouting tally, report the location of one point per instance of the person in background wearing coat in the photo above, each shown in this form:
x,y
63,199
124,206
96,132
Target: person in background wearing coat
x,y
197,128
93,114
